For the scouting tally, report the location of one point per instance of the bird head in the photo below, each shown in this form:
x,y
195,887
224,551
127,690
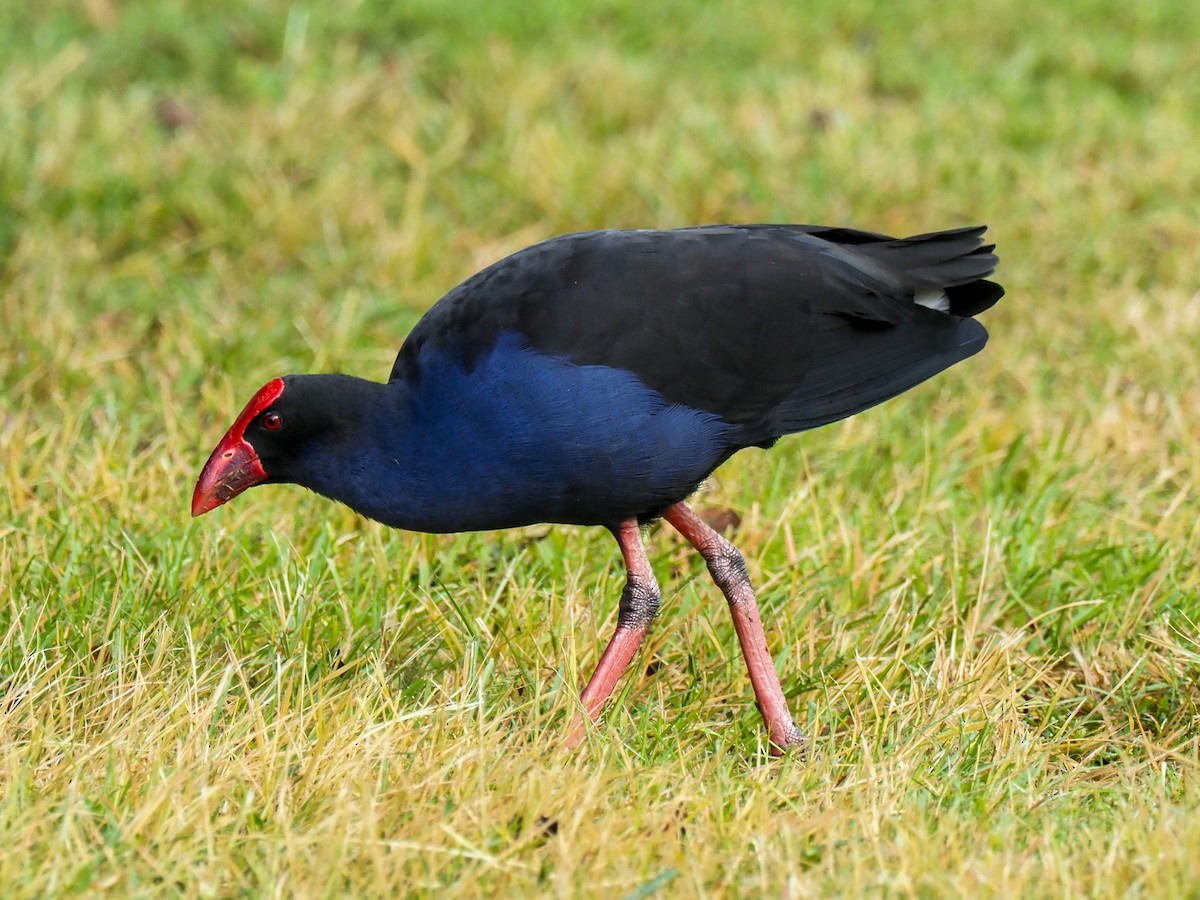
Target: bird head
x,y
284,434
237,462
311,430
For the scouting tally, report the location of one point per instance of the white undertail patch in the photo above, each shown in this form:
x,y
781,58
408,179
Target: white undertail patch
x,y
933,300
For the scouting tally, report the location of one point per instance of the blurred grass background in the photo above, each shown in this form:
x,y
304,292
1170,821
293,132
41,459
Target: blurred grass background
x,y
983,597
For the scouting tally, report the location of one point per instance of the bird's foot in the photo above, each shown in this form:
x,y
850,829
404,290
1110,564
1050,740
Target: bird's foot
x,y
786,739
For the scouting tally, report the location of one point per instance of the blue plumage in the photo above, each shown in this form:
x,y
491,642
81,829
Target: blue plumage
x,y
520,437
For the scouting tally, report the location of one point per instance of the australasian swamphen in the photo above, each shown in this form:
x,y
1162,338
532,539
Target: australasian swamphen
x,y
599,378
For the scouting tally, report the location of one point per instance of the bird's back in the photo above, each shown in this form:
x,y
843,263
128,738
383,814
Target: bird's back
x,y
773,328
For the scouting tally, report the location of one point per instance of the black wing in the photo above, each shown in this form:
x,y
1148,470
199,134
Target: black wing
x,y
776,327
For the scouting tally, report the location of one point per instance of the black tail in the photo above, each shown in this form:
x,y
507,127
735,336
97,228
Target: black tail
x,y
855,366
957,262
973,298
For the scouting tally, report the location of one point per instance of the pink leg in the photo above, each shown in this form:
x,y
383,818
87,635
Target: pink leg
x,y
639,606
728,570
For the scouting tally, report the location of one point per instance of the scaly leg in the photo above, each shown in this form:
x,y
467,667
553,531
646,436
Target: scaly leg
x,y
728,570
639,606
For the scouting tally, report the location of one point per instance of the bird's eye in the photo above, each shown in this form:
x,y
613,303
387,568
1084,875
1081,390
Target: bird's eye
x,y
271,421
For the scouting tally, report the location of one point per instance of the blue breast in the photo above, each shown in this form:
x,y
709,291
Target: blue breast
x,y
522,437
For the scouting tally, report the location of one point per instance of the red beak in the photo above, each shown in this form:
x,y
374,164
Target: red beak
x,y
234,465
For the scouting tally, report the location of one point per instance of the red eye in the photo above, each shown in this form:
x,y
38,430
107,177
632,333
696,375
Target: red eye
x,y
271,421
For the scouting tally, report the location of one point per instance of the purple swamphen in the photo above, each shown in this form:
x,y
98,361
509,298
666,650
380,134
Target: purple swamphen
x,y
599,378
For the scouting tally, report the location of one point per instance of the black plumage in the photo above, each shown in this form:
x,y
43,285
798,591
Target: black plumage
x,y
774,327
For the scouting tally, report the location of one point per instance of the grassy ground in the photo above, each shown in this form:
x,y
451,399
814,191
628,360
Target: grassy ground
x,y
983,597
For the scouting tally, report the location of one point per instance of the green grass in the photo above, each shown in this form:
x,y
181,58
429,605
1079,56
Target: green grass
x,y
983,597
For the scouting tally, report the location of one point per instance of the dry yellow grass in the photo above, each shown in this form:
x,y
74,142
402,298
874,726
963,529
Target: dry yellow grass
x,y
983,597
